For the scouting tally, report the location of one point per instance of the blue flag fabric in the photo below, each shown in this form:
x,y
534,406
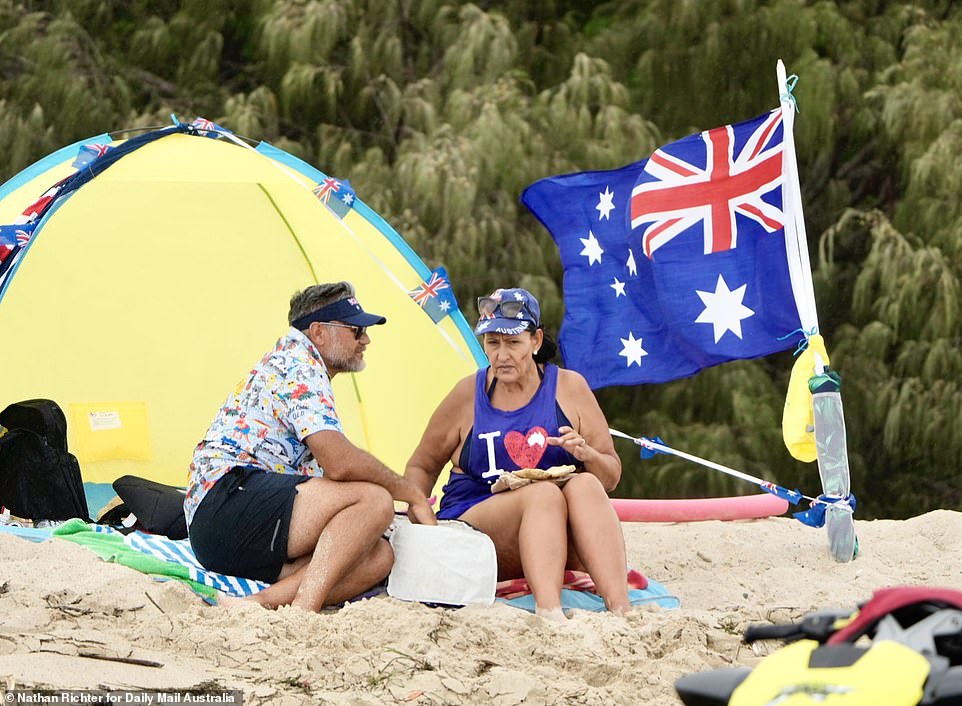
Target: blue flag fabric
x,y
336,194
674,263
89,152
13,239
435,295
815,515
207,128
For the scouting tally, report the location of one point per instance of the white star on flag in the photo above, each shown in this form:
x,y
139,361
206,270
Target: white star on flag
x,y
724,309
632,267
605,204
444,306
619,288
592,248
632,351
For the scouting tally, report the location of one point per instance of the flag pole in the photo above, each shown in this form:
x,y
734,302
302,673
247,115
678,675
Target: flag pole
x,y
829,428
796,241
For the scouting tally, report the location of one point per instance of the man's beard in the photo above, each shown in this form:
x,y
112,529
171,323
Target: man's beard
x,y
341,359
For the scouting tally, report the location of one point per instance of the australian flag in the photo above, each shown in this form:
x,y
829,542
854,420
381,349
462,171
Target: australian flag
x,y
336,194
435,295
207,128
90,152
13,239
677,262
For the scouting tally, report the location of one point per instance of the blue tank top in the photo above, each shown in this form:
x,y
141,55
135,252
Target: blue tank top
x,y
505,441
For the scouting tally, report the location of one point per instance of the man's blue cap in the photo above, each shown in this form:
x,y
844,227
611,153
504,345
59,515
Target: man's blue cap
x,y
518,318
347,310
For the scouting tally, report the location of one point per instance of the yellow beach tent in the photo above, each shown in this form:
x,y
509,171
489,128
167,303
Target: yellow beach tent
x,y
161,271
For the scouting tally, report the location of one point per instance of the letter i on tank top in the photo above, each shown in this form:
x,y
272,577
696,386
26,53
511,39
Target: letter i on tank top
x,y
510,440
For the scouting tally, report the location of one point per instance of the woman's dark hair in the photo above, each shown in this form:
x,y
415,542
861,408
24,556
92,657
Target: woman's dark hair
x,y
548,349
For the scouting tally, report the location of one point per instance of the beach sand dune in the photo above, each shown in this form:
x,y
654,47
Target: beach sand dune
x,y
69,620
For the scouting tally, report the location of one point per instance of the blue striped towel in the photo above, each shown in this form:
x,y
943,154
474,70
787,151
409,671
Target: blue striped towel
x,y
179,551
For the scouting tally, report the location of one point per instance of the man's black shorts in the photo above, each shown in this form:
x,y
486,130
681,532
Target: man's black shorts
x,y
241,526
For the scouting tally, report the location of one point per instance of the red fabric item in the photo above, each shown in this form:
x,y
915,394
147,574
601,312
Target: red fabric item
x,y
573,581
887,600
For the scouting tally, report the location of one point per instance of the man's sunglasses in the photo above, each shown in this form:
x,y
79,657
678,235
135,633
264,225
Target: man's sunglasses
x,y
358,330
510,309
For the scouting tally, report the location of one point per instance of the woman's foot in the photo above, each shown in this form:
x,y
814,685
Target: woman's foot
x,y
618,608
554,615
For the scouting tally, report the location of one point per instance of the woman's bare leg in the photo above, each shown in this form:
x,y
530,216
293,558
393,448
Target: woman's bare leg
x,y
595,533
528,528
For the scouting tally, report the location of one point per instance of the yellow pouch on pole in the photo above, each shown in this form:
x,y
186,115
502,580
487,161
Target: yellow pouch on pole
x,y
798,417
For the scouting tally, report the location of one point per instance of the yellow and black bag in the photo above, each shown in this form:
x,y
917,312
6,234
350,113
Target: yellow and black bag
x,y
903,647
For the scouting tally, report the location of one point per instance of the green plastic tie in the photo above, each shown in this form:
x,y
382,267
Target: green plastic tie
x,y
789,95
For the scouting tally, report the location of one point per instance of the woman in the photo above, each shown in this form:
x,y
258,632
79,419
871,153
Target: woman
x,y
522,412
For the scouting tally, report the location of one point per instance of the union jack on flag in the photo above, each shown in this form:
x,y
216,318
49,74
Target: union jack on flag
x,y
329,186
90,152
426,290
435,295
345,197
709,179
17,234
208,128
34,210
13,238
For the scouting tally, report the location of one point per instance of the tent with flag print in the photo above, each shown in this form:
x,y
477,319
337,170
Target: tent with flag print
x,y
140,279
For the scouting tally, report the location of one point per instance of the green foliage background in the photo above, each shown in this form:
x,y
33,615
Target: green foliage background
x,y
441,112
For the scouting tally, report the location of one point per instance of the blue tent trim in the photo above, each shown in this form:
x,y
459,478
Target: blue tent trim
x,y
52,208
39,167
76,180
27,174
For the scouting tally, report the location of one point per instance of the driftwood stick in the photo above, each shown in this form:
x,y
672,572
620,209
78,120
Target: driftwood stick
x,y
124,660
155,603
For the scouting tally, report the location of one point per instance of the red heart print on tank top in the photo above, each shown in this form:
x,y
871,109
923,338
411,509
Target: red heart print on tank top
x,y
526,449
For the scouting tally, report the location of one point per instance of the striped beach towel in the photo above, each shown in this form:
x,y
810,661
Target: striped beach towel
x,y
179,551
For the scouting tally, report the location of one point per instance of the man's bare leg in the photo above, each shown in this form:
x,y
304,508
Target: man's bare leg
x,y
335,539
367,572
337,524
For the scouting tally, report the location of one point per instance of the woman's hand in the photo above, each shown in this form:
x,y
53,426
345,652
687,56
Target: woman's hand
x,y
574,443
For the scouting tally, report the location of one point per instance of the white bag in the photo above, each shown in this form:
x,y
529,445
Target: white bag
x,y
451,563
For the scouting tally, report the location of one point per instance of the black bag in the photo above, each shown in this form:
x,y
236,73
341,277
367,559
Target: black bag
x,y
159,508
42,417
39,478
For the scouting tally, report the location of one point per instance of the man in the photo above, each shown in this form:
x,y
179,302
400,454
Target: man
x,y
277,492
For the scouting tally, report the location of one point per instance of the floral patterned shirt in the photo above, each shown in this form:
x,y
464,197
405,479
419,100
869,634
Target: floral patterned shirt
x,y
263,423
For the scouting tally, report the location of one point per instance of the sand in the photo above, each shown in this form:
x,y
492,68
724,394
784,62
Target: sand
x,y
69,620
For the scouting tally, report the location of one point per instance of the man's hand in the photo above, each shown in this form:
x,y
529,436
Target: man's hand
x,y
420,513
